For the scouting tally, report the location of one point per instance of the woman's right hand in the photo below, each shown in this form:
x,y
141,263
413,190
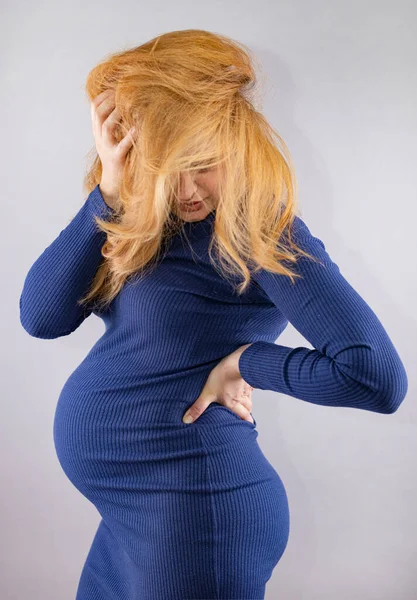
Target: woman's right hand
x,y
105,119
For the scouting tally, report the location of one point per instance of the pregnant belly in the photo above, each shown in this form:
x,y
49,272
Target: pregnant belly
x,y
112,445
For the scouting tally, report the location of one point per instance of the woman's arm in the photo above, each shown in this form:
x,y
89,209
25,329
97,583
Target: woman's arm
x,y
63,273
353,363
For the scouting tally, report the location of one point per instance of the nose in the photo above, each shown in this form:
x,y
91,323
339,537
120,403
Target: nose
x,y
187,187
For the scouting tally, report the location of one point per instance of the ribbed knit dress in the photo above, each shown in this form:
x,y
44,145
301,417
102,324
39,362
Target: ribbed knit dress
x,y
194,511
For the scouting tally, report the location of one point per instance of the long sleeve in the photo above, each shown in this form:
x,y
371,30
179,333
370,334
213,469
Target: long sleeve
x,y
63,273
353,363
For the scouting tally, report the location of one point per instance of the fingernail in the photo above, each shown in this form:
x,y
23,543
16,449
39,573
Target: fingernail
x,y
187,419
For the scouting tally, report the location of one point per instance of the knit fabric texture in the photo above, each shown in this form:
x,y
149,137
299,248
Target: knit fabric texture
x,y
194,510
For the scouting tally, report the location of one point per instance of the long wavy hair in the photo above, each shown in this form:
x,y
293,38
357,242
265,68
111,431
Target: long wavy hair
x,y
189,95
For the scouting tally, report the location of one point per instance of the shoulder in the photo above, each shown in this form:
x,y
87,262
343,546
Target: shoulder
x,y
305,238
301,232
307,258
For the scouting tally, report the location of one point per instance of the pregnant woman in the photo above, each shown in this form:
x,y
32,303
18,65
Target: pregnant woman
x,y
189,248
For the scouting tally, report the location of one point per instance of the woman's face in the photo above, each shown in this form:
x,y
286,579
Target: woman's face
x,y
198,193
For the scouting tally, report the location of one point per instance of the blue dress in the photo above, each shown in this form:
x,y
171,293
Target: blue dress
x,y
193,511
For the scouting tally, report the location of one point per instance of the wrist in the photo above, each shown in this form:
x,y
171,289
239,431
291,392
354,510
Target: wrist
x,y
237,355
110,196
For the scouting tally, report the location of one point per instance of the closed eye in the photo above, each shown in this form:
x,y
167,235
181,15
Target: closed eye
x,y
202,170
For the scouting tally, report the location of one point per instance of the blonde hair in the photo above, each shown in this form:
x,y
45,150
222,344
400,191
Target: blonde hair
x,y
188,95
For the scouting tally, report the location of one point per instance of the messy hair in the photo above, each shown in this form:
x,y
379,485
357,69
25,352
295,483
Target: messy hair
x,y
189,94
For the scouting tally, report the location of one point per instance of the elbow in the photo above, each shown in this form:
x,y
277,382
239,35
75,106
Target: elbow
x,y
32,322
36,328
42,325
383,375
391,403
392,394
39,330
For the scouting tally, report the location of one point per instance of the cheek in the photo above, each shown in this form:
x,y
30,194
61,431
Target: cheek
x,y
212,185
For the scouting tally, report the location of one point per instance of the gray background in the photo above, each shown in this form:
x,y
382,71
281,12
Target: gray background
x,y
339,84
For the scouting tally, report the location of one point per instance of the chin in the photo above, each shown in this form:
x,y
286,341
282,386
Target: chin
x,y
199,215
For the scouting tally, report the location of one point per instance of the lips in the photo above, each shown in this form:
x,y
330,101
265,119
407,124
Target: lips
x,y
191,203
192,206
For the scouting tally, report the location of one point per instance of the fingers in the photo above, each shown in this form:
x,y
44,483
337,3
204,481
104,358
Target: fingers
x,y
100,107
239,402
241,407
241,410
109,125
245,397
199,406
195,411
106,119
105,115
126,142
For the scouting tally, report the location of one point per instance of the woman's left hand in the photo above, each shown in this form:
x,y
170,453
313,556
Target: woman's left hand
x,y
225,386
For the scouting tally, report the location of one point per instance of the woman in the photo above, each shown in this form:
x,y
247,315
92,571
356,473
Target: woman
x,y
192,509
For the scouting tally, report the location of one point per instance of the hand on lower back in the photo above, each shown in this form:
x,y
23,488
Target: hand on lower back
x,y
225,386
